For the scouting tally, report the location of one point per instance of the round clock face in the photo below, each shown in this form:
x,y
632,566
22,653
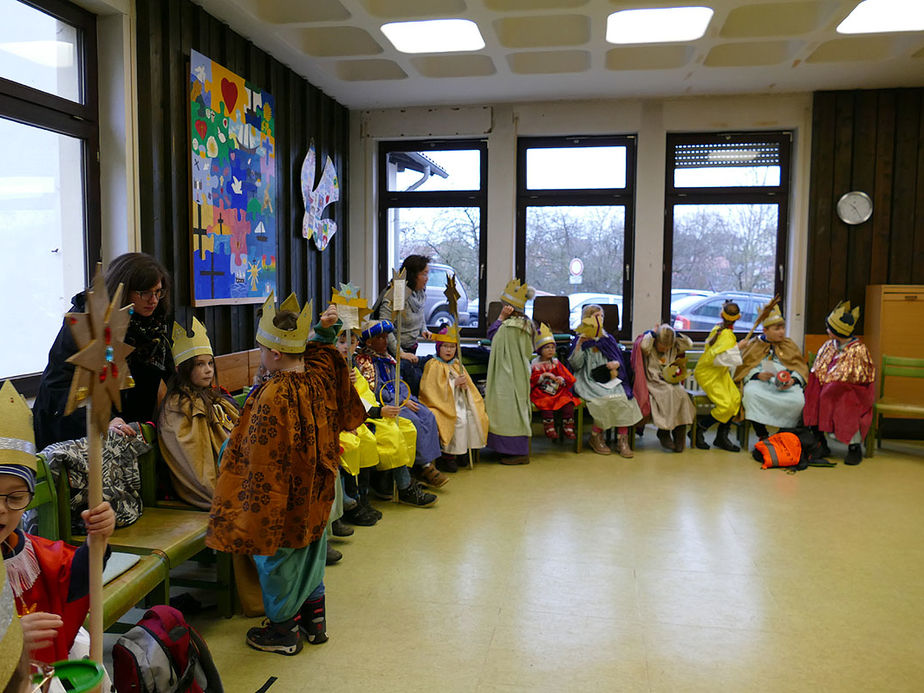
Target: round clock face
x,y
854,207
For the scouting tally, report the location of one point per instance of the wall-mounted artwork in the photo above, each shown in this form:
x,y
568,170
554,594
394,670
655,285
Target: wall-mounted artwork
x,y
233,196
317,198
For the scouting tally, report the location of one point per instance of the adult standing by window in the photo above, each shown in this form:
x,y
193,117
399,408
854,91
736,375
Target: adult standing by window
x,y
413,320
146,286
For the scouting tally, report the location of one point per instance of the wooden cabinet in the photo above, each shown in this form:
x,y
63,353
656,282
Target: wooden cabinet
x,y
894,325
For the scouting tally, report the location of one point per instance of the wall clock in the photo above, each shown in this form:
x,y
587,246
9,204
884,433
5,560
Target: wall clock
x,y
854,207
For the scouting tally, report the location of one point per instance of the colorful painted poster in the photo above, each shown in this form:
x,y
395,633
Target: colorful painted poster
x,y
233,173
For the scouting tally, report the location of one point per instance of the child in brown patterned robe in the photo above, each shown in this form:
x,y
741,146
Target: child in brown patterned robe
x,y
276,484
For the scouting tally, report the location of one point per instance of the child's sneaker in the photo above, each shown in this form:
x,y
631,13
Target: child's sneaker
x,y
371,509
359,516
548,427
416,496
448,464
313,621
567,427
282,638
430,476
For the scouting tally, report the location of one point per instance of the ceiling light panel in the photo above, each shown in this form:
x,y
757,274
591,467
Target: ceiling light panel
x,y
661,25
881,16
434,36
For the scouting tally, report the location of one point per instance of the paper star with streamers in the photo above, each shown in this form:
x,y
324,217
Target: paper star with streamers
x,y
100,372
351,307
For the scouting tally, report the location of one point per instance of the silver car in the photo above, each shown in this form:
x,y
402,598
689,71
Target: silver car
x,y
436,311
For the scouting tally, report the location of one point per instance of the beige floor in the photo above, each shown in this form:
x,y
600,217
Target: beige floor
x,y
692,572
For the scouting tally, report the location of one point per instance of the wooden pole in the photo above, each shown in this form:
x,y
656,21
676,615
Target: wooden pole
x,y
97,546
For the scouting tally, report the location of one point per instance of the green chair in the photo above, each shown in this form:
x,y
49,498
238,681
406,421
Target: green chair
x,y
896,367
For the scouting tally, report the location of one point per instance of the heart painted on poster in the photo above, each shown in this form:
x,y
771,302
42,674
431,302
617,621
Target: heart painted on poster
x,y
201,128
229,95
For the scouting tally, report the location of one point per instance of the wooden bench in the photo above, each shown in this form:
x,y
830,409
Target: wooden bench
x,y
147,580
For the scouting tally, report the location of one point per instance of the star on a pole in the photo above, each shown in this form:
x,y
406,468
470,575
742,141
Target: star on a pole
x,y
452,297
101,371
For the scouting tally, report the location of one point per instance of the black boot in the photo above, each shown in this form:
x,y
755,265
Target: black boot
x,y
721,438
664,437
313,621
702,423
823,449
854,454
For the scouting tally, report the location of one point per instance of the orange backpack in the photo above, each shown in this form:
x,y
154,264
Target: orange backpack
x,y
779,450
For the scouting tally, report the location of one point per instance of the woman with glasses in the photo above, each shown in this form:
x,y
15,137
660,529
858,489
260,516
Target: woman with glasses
x,y
146,286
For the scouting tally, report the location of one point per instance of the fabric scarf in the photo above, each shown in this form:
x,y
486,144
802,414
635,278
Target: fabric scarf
x,y
149,337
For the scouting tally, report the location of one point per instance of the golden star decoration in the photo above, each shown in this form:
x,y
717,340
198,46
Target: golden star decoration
x,y
101,371
452,296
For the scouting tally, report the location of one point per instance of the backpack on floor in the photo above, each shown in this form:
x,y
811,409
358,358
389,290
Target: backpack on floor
x,y
782,449
163,654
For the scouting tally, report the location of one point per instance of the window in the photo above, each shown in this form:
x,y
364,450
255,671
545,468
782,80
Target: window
x,y
49,174
433,202
725,226
575,215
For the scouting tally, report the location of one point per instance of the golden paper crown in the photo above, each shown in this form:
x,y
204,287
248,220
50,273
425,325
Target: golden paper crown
x,y
591,327
774,318
842,320
185,347
10,630
17,439
286,341
450,335
543,337
515,293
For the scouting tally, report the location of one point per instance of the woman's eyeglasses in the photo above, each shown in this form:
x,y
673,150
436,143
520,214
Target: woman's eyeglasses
x,y
17,500
149,294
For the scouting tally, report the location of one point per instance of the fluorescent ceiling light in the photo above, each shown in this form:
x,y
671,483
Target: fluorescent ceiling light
x,y
56,54
662,25
434,36
876,16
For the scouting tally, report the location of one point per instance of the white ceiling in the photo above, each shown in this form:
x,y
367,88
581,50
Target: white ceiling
x,y
538,50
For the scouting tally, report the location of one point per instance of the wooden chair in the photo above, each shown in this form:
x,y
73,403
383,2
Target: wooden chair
x,y
611,318
555,311
896,367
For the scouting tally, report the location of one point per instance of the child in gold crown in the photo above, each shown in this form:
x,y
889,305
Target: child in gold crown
x,y
276,486
50,580
447,389
550,384
840,393
506,396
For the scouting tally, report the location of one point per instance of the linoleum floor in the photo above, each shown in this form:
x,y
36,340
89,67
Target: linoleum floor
x,y
668,572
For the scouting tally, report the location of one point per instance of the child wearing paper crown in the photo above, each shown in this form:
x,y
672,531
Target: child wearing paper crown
x,y
772,375
378,367
602,374
50,580
720,354
550,384
506,396
276,484
195,417
447,389
840,393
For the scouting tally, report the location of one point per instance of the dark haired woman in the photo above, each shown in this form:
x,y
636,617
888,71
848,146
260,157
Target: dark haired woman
x,y
713,376
413,320
146,286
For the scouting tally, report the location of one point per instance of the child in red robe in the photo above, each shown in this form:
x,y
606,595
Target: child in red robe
x,y
840,393
550,384
50,580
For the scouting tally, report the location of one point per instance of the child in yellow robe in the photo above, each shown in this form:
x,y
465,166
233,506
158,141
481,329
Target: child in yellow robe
x,y
447,389
713,376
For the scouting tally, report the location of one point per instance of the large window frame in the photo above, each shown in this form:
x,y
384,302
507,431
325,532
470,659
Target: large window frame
x,y
36,108
763,195
432,199
615,197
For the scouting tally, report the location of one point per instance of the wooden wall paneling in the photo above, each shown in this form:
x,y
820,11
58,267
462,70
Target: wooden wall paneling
x,y
901,241
882,197
820,206
843,159
917,266
862,177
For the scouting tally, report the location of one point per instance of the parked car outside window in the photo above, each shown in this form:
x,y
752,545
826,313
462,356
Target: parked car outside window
x,y
701,313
